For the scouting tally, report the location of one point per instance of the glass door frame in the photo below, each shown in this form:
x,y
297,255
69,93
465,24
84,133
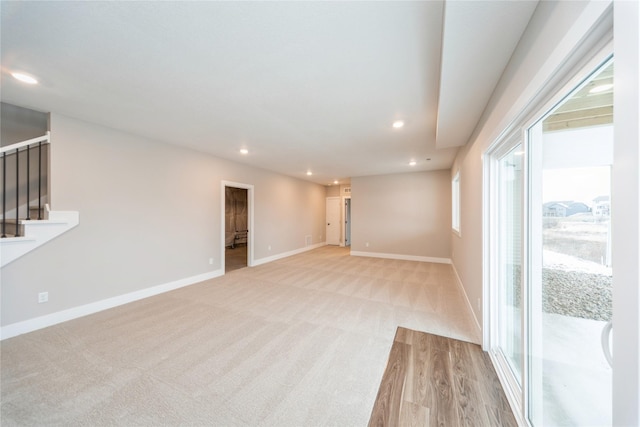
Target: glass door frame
x,y
532,134
625,186
519,396
513,386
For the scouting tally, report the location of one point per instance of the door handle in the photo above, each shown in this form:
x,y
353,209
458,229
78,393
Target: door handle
x,y
606,348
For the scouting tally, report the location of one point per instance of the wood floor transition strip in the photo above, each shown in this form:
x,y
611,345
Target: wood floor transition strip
x,y
436,381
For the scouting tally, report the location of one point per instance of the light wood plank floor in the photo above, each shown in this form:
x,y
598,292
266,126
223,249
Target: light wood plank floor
x,y
431,380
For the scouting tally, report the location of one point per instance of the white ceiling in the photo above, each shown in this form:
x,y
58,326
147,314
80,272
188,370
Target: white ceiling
x,y
303,85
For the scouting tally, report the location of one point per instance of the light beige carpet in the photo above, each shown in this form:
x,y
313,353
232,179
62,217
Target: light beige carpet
x,y
302,341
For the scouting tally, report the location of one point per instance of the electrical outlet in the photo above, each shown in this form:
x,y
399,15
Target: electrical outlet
x,y
269,247
478,303
43,297
366,244
210,261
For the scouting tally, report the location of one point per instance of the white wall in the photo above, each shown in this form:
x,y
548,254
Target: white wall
x,y
405,215
149,215
20,124
626,239
553,33
332,190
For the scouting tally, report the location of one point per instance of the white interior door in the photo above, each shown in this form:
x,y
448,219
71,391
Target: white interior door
x,y
333,221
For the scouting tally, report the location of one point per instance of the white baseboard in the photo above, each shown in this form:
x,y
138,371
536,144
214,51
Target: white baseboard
x,y
41,322
402,257
261,261
466,298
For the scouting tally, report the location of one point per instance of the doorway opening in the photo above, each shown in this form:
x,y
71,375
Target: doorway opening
x,y
333,221
347,221
236,226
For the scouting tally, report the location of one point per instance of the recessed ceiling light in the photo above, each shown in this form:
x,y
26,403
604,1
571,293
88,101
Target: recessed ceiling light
x,y
25,78
412,163
335,182
309,173
398,124
244,151
601,88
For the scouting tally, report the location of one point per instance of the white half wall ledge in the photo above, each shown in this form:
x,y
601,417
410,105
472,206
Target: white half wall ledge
x,y
265,260
37,233
52,319
402,257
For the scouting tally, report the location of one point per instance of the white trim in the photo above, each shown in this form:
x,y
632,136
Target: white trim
x,y
287,254
18,145
402,257
489,256
625,210
41,322
512,394
469,305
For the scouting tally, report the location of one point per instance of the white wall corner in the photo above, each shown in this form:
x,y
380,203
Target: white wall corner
x,y
469,305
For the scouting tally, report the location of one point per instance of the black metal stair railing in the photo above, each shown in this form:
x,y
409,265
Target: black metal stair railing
x,y
22,188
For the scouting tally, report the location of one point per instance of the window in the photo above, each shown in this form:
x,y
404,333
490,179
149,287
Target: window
x,y
455,203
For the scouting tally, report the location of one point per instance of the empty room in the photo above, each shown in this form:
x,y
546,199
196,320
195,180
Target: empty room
x,y
320,213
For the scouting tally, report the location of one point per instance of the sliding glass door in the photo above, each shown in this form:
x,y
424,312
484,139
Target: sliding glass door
x,y
509,226
570,291
505,178
549,258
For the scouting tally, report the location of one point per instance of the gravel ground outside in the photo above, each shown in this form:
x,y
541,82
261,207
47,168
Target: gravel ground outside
x,y
575,283
577,294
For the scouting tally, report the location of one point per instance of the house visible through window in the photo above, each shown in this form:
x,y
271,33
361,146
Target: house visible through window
x,y
455,203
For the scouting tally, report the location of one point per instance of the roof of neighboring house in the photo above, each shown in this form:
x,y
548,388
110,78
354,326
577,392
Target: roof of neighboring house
x,y
576,204
553,204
